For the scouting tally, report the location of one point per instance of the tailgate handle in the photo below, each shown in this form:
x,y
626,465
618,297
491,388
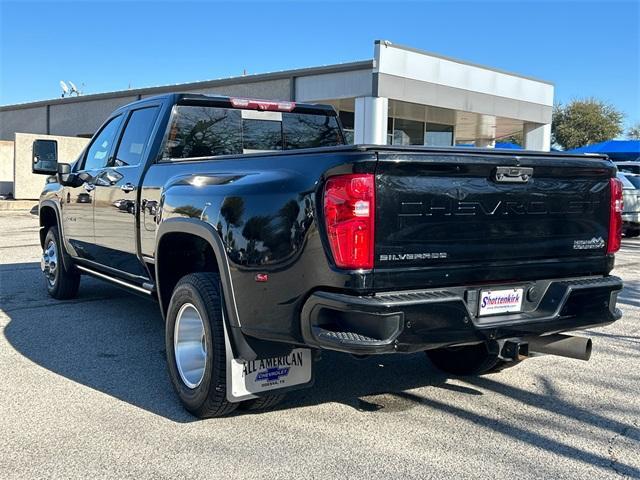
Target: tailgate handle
x,y
513,174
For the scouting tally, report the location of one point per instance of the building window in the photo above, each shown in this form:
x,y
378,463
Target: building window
x,y
402,131
437,135
408,132
348,125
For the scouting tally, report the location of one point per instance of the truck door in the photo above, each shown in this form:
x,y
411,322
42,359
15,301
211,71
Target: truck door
x,y
116,195
77,204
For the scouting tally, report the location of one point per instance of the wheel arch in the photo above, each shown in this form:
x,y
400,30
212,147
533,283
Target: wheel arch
x,y
206,233
199,231
49,216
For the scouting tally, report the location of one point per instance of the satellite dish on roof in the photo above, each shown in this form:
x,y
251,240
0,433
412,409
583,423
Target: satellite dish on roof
x,y
74,89
65,89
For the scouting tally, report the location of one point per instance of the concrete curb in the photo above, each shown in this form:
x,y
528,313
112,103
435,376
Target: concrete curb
x,y
6,205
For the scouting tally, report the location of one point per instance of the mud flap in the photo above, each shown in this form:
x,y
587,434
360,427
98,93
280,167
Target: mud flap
x,y
253,378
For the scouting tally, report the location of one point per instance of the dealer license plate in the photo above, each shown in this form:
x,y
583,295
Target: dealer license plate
x,y
256,376
493,302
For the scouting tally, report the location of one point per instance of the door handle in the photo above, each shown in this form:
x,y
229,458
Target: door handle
x,y
128,187
89,187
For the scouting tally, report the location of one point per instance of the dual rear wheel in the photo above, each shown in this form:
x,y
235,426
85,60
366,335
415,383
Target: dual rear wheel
x,y
196,353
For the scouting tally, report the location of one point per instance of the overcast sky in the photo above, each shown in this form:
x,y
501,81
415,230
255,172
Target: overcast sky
x,y
587,48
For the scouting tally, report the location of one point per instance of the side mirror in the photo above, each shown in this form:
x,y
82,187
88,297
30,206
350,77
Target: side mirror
x,y
65,177
71,179
45,157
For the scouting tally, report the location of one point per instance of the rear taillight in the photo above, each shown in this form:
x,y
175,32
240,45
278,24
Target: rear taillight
x,y
615,217
265,105
349,210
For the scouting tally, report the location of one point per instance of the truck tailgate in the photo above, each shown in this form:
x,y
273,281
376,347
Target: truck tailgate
x,y
437,211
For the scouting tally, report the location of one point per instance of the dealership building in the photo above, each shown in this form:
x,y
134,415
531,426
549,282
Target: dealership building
x,y
402,96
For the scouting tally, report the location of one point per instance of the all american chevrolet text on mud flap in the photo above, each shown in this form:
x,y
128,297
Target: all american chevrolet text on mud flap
x,y
266,239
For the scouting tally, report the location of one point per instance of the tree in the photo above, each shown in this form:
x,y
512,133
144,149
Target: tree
x,y
583,122
232,210
634,132
188,211
516,138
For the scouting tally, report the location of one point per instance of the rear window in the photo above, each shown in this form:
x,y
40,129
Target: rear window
x,y
210,131
308,131
634,180
204,132
261,135
628,168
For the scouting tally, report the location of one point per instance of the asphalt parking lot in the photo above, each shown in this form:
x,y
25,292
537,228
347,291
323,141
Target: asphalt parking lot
x,y
84,393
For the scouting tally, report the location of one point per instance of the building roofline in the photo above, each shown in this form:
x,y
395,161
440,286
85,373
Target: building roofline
x,y
457,60
258,77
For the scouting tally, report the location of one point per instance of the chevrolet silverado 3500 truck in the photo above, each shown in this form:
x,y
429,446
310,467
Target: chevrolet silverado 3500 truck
x,y
265,239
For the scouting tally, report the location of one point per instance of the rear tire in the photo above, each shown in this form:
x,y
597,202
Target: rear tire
x,y
197,366
631,233
62,282
467,360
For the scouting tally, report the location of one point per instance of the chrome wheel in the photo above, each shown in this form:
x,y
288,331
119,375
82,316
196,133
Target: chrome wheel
x,y
49,262
190,345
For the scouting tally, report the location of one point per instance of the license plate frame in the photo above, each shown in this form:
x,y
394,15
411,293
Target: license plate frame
x,y
500,301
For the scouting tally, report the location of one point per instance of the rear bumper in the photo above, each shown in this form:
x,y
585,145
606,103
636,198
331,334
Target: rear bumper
x,y
633,219
410,321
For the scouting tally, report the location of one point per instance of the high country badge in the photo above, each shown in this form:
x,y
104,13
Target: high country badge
x,y
593,244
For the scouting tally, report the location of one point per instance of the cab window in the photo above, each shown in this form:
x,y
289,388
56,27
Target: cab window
x,y
135,137
98,152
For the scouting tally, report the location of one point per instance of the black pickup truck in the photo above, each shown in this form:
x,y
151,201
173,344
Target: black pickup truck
x,y
266,239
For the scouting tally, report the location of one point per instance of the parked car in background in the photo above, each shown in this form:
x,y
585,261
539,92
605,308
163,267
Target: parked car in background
x,y
628,167
631,199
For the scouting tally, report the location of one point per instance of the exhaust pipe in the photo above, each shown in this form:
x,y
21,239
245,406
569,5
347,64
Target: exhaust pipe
x,y
561,345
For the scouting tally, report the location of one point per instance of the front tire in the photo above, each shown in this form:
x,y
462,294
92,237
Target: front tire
x,y
467,360
62,282
196,354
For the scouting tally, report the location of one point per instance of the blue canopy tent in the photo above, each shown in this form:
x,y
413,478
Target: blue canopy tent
x,y
618,150
508,145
